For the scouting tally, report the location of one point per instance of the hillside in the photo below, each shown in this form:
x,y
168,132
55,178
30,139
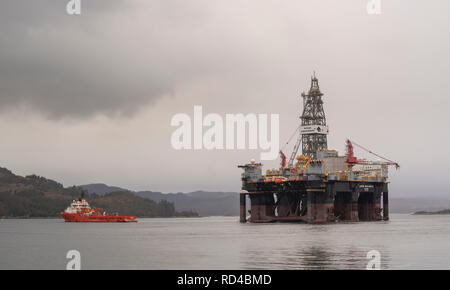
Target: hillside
x,y
203,202
411,205
36,196
101,188
444,211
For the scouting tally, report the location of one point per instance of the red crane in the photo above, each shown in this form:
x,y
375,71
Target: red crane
x,y
283,159
351,159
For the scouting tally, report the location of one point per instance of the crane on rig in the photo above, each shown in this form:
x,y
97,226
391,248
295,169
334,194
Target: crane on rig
x,y
295,150
352,160
283,159
290,163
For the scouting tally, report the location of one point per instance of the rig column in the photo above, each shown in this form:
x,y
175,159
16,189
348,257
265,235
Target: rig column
x,y
262,207
243,216
354,214
385,206
347,207
377,204
320,204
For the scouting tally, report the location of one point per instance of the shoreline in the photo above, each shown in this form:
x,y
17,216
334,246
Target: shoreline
x,y
439,212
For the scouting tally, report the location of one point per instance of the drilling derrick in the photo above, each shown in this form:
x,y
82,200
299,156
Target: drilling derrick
x,y
313,128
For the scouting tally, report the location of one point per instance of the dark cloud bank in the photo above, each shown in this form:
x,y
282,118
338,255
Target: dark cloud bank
x,y
73,66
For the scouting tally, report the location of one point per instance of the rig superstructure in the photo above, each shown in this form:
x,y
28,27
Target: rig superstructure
x,y
318,185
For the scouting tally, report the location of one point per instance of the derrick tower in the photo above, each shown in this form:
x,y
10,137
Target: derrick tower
x,y
314,127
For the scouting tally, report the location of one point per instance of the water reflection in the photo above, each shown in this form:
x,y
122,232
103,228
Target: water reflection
x,y
311,257
312,247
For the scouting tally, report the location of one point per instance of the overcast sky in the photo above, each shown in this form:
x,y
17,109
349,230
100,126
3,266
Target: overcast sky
x,y
89,98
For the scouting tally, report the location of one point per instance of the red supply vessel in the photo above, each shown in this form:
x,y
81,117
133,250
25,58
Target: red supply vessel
x,y
80,211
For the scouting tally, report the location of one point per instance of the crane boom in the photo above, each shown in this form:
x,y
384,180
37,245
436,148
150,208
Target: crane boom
x,y
283,159
353,160
294,152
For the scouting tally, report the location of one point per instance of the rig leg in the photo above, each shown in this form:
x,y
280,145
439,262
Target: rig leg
x,y
243,214
354,215
340,206
320,206
377,204
262,207
365,206
349,207
385,206
283,207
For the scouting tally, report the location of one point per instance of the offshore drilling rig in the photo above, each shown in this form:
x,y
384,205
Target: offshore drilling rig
x,y
318,185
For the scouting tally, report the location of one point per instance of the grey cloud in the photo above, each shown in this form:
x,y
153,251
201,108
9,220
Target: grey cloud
x,y
119,55
73,66
116,57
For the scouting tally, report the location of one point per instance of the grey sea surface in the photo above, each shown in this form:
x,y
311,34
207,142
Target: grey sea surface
x,y
404,242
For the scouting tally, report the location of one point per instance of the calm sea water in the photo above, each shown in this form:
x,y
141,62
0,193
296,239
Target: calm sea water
x,y
405,242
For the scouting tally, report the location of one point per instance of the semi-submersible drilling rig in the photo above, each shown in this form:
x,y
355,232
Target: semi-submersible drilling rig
x,y
318,185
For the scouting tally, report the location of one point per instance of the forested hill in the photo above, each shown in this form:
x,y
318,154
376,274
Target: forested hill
x,y
205,203
36,196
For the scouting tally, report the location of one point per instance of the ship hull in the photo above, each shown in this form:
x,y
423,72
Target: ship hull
x,y
74,217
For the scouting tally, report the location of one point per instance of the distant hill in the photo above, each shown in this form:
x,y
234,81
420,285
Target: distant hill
x,y
203,202
101,188
445,211
411,205
36,196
